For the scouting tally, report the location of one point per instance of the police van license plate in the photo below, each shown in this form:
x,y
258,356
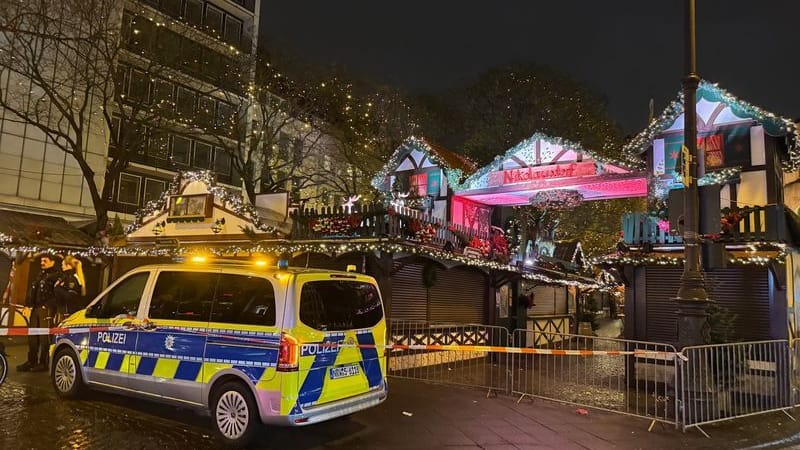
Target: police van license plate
x,y
344,371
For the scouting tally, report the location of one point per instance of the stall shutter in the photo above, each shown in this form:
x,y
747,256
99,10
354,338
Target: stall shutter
x,y
409,297
459,296
744,291
661,310
549,300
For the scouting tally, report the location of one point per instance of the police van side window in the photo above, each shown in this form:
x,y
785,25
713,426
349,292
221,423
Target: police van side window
x,y
123,299
246,300
183,296
340,305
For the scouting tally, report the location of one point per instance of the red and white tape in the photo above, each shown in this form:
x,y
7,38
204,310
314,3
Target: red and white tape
x,y
455,348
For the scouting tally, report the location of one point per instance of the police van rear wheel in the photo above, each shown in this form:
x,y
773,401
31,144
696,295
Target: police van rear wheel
x,y
66,374
235,414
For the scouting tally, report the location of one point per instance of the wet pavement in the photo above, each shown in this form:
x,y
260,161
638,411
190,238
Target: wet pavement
x,y
416,416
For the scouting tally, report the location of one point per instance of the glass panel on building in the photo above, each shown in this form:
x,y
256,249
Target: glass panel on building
x,y
233,30
181,150
159,145
222,161
164,95
194,12
205,111
139,86
171,7
202,155
213,19
128,191
153,189
186,98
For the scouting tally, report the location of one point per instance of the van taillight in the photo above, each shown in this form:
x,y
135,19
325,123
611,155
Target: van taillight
x,y
289,354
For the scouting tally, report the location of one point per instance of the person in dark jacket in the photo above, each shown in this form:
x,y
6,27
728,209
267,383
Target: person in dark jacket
x,y
70,289
42,301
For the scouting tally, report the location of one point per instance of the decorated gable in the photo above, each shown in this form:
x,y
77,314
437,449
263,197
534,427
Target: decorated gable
x,y
194,208
420,169
740,147
543,163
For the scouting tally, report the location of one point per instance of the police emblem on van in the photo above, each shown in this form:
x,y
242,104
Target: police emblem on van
x,y
169,343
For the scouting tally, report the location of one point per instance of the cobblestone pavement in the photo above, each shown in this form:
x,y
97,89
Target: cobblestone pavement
x,y
416,416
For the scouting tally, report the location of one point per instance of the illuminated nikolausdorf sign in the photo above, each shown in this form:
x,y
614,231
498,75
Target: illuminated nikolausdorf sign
x,y
527,174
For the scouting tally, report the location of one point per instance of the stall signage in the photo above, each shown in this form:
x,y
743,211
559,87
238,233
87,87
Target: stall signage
x,y
527,174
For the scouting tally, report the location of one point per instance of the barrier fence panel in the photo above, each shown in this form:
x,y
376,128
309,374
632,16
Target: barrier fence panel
x,y
795,355
480,366
726,381
623,376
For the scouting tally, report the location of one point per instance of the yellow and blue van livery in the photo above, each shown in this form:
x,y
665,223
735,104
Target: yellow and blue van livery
x,y
244,342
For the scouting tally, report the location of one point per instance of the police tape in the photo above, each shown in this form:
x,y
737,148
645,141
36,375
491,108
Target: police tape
x,y
640,353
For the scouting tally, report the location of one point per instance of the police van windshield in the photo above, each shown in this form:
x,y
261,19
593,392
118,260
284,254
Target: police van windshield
x,y
333,305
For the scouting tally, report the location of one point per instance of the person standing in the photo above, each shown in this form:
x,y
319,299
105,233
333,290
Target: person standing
x,y
70,288
42,302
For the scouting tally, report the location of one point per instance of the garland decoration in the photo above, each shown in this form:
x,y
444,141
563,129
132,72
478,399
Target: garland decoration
x,y
558,199
231,198
774,125
424,232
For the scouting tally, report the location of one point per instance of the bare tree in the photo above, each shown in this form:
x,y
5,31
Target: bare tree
x,y
272,133
83,65
50,60
364,131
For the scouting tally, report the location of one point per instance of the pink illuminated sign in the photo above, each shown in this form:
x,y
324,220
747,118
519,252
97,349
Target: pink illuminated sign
x,y
528,174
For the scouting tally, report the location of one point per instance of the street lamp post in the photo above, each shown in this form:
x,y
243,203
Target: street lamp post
x,y
692,296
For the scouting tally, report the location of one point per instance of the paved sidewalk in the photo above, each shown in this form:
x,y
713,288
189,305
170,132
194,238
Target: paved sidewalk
x,y
415,416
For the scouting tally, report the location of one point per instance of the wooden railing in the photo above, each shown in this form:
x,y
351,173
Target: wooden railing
x,y
755,224
377,221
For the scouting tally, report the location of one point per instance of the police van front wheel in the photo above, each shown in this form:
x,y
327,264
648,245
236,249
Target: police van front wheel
x,y
66,374
234,413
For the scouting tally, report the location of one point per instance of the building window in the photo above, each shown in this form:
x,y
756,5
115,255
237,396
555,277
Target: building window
x,y
233,30
418,184
116,125
222,161
185,102
202,155
153,189
139,86
205,111
213,19
128,192
171,7
164,95
159,145
194,12
181,150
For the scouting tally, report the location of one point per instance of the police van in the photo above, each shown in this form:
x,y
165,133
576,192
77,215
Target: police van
x,y
244,342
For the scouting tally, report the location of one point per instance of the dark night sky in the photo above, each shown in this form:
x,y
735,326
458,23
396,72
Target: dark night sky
x,y
628,50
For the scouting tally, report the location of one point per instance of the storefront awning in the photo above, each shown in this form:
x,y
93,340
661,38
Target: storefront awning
x,y
41,230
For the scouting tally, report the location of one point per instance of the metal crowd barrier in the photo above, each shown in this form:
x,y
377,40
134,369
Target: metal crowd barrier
x,y
697,386
727,381
482,369
623,376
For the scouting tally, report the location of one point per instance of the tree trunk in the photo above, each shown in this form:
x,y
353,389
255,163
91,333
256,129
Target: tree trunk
x,y
250,188
98,201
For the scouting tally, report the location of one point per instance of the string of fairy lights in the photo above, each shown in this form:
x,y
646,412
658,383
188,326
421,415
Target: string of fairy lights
x,y
233,199
455,176
526,151
752,259
774,125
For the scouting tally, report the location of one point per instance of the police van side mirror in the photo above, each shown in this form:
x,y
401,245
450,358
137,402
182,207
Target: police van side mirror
x,y
94,310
